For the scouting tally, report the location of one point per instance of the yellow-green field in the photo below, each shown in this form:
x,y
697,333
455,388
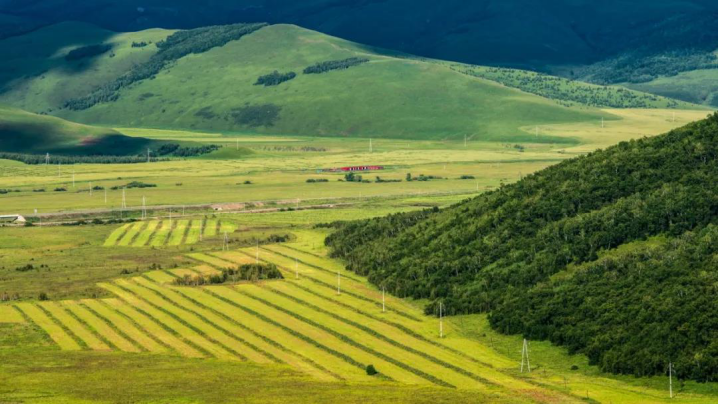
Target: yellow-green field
x,y
305,323
159,233
277,170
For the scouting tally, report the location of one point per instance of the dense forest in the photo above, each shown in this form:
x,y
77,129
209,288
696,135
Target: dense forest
x,y
176,46
566,91
612,254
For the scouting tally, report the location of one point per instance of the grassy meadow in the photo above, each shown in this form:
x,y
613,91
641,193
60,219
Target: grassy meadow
x,y
297,339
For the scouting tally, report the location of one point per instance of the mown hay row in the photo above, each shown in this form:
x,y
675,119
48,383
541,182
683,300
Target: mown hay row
x,y
132,232
221,330
178,233
61,338
189,326
124,324
150,325
116,235
75,326
100,327
146,235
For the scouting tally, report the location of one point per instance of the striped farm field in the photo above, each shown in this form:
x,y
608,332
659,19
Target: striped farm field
x,y
144,238
160,233
131,233
301,322
117,234
9,314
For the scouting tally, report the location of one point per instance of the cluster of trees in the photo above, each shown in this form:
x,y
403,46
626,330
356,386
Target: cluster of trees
x,y
314,180
382,180
546,256
422,177
638,67
35,159
567,91
175,150
323,67
245,272
140,44
351,177
176,46
292,149
87,51
274,79
134,184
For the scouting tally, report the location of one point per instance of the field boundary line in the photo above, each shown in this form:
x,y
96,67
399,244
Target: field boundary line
x,y
67,329
295,333
124,295
113,326
382,337
332,287
178,301
121,344
176,317
261,336
352,342
201,353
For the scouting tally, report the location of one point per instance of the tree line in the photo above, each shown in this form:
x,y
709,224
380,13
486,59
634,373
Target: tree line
x,y
567,254
176,46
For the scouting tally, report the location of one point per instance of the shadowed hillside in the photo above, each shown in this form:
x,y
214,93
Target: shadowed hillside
x,y
612,254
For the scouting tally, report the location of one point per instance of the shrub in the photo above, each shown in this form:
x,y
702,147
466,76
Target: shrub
x,y
43,296
274,79
330,65
371,370
87,51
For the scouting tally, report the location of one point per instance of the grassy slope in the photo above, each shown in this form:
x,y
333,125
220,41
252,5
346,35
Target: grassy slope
x,y
25,132
36,77
697,86
388,97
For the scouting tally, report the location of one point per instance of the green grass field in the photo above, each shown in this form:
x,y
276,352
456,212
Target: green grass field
x,y
199,91
301,328
25,132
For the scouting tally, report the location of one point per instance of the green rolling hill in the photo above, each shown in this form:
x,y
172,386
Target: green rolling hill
x,y
208,79
28,133
611,254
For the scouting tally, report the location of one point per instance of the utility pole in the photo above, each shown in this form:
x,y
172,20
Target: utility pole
x,y
674,116
670,379
201,228
105,195
148,154
339,283
226,242
90,188
602,123
144,208
441,320
124,200
525,354
47,159
464,140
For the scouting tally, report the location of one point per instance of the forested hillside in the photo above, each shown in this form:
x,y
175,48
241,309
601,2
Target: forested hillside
x,y
613,254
